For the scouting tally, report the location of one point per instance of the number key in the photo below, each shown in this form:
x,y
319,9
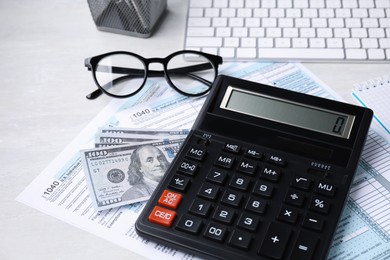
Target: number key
x,y
224,215
208,191
216,232
200,207
263,189
232,198
216,175
240,182
256,205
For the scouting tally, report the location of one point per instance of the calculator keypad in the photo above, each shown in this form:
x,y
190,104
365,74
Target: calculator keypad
x,y
247,199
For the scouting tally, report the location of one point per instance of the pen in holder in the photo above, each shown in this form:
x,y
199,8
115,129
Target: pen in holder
x,y
131,17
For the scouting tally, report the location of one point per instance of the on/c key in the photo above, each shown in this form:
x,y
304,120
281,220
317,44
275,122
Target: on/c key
x,y
161,216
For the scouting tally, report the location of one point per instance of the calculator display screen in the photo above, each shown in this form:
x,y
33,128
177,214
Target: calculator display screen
x,y
288,112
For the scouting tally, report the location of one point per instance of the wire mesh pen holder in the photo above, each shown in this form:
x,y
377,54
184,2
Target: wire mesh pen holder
x,y
130,17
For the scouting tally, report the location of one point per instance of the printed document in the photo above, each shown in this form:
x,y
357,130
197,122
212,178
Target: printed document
x,y
61,189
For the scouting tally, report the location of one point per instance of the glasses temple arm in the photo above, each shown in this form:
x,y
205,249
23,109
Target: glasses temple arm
x,y
97,92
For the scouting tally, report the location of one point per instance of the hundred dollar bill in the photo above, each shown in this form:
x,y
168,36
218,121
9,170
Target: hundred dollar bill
x,y
134,131
118,136
126,174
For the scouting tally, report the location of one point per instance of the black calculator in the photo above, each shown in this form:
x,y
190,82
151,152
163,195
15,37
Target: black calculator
x,y
263,174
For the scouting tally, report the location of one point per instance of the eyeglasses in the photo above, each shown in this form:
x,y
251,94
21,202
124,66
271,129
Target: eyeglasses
x,y
123,74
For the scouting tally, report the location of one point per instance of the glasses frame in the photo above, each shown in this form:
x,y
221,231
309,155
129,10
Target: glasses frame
x,y
92,65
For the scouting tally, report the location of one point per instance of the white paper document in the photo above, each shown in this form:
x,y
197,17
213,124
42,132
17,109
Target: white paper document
x,y
61,189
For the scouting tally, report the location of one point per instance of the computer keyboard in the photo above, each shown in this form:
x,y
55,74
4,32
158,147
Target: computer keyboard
x,y
298,30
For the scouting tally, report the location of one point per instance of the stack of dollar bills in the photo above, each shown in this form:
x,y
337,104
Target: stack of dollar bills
x,y
127,164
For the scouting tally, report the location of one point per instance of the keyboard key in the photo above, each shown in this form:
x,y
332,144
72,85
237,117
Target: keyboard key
x,y
256,205
270,173
240,182
276,159
189,224
246,53
232,198
216,232
247,166
288,214
304,245
200,207
356,54
216,175
170,199
275,241
325,188
320,204
225,161
208,191
234,148
248,221
179,182
268,53
263,189
162,216
197,153
240,239
313,222
204,41
295,198
301,182
188,167
224,214
254,153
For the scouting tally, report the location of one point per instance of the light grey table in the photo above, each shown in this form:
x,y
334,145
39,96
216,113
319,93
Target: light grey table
x,y
43,83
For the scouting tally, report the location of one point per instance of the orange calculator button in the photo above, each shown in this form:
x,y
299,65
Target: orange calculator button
x,y
170,199
161,216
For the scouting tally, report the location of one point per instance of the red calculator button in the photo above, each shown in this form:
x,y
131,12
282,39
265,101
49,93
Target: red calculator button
x,y
170,199
161,216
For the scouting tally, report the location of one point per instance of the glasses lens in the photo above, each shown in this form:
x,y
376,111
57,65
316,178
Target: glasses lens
x,y
120,74
191,73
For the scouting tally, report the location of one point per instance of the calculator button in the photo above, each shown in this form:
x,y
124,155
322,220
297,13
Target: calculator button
x,y
276,159
326,189
200,207
224,214
216,175
162,216
240,182
301,182
208,191
275,241
179,182
170,199
319,204
270,173
216,232
189,224
234,148
188,167
263,189
240,239
225,161
256,205
232,198
288,214
196,153
295,198
248,222
304,246
253,153
313,222
247,166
